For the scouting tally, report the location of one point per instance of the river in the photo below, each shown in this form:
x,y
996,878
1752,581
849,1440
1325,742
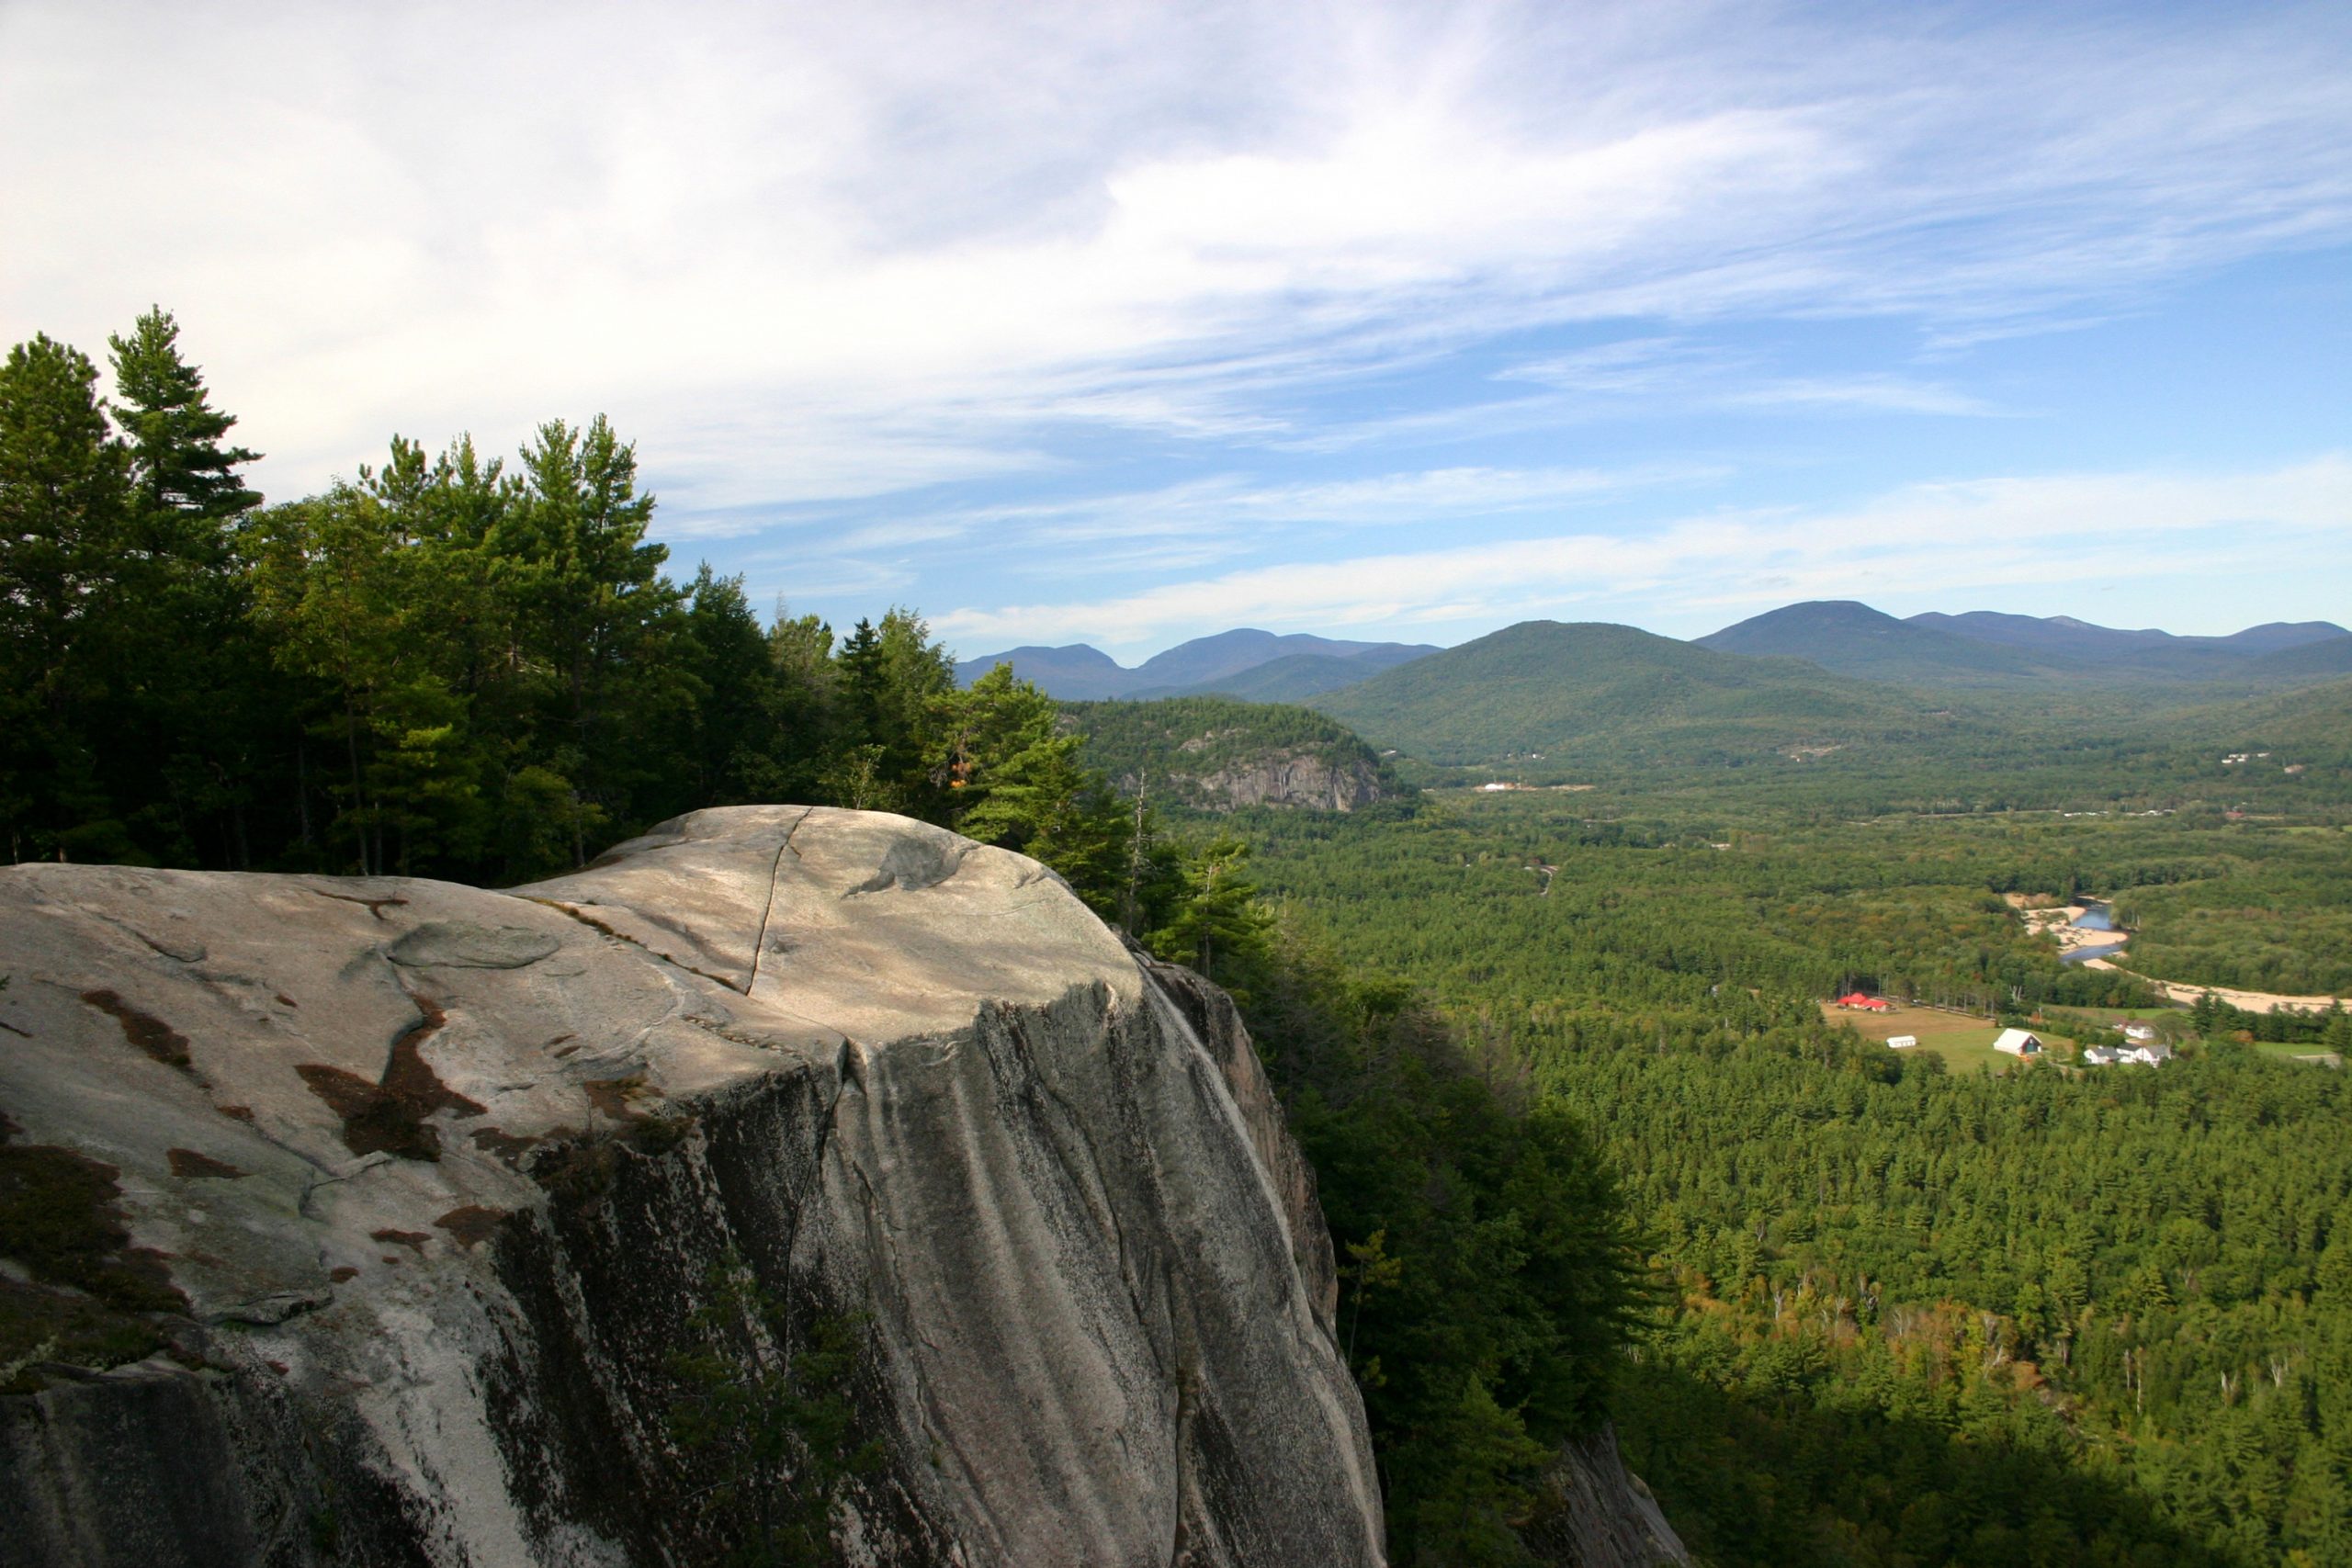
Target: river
x,y
2094,918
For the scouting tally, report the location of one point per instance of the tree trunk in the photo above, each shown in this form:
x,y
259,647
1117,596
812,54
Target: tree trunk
x,y
302,787
358,800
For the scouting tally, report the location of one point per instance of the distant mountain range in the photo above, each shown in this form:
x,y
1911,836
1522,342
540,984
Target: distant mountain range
x,y
1244,662
1804,684
1980,649
2064,637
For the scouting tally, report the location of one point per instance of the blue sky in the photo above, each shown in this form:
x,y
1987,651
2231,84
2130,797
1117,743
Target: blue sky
x,y
1126,323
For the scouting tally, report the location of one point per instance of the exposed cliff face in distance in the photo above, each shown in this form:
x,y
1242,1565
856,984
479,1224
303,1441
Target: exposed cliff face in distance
x,y
788,1164
1217,754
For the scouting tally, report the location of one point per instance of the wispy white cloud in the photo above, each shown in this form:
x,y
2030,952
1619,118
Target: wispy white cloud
x,y
822,252
1889,394
1196,524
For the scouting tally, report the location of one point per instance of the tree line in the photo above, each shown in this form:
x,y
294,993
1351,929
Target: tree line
x,y
449,665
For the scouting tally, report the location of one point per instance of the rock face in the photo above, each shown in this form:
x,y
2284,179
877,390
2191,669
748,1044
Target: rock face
x,y
1594,1512
1300,777
449,1180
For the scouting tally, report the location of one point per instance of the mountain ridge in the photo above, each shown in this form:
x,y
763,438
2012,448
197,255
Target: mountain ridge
x,y
2070,641
1203,666
1842,636
1589,690
1848,637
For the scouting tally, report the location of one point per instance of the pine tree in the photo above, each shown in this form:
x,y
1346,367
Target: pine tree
x,y
64,514
1216,925
181,470
199,704
596,608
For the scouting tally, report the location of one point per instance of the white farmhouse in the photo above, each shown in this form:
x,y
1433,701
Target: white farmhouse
x,y
2154,1054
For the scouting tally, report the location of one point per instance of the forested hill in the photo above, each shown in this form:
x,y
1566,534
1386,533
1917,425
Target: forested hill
x,y
1600,693
1213,753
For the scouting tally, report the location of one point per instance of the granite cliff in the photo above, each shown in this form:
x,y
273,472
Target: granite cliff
x,y
1213,753
429,1199
1294,777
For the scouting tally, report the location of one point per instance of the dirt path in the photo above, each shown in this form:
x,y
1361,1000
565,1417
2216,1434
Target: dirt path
x,y
2251,1001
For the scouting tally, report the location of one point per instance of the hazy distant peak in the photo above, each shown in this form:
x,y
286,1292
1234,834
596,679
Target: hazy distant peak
x,y
1081,673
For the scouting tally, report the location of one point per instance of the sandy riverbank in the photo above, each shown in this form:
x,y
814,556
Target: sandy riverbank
x,y
2251,1001
2059,921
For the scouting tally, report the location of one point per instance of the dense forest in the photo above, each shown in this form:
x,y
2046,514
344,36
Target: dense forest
x,y
1912,1313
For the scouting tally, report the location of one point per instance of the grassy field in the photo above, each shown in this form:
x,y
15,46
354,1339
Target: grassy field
x,y
1964,1043
2128,1015
2305,1052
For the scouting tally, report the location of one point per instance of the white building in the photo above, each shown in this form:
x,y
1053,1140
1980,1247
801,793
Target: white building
x,y
2019,1042
1901,1041
2148,1055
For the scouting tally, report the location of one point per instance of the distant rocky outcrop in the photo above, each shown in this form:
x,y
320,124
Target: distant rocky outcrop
x,y
1299,776
1217,754
431,1200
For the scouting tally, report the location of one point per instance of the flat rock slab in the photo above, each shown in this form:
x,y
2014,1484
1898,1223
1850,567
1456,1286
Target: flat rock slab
x,y
443,1175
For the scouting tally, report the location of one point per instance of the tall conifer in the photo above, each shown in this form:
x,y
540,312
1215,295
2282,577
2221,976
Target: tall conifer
x,y
179,466
64,507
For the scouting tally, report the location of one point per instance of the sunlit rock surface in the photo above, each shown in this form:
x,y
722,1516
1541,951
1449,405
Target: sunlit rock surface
x,y
442,1175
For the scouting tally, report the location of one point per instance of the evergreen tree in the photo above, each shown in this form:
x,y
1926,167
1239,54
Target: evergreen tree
x,y
737,738
65,533
1011,777
195,697
596,606
181,470
1216,924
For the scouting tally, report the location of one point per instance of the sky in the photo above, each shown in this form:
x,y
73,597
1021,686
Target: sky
x,y
1126,323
